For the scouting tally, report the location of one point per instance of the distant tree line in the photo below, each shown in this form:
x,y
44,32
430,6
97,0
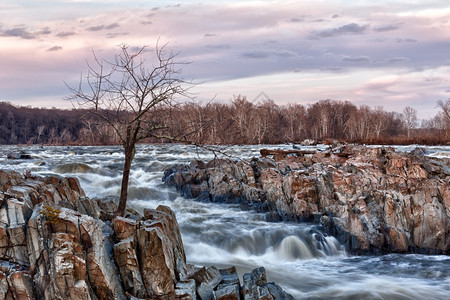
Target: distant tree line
x,y
237,122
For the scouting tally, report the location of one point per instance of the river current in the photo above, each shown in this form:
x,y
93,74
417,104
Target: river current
x,y
297,256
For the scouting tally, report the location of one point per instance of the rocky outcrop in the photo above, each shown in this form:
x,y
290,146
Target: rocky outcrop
x,y
374,200
55,243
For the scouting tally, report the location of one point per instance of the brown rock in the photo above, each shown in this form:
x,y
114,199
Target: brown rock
x,y
124,228
126,259
21,285
378,199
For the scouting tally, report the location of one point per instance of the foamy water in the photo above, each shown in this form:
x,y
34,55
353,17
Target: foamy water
x,y
300,257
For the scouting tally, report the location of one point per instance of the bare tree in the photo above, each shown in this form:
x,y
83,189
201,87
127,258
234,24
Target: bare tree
x,y
445,106
124,93
378,121
40,131
410,119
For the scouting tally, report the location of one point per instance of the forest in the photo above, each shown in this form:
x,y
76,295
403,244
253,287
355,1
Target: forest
x,y
237,122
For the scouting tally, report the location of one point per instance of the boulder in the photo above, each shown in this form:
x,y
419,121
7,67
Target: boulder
x,y
255,287
68,256
19,155
185,290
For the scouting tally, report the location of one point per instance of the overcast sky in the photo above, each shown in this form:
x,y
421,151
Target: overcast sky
x,y
392,53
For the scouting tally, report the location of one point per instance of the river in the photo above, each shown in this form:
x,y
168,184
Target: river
x,y
299,257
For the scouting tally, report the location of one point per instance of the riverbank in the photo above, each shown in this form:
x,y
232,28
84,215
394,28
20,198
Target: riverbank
x,y
56,243
374,200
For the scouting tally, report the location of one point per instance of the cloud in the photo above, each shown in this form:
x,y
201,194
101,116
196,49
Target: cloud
x,y
209,34
219,46
382,84
44,31
397,59
256,54
103,27
296,20
54,48
386,28
356,59
285,53
406,41
64,34
116,34
18,32
352,28
113,25
96,28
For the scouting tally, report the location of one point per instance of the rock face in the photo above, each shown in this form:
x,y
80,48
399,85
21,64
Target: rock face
x,y
55,243
373,200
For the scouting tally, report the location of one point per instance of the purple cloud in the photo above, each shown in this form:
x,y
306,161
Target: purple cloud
x,y
356,59
18,32
386,28
397,59
65,34
54,48
352,28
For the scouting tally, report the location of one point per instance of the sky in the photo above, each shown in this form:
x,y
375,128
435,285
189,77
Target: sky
x,y
392,53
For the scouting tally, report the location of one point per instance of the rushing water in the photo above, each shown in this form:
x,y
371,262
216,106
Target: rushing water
x,y
306,263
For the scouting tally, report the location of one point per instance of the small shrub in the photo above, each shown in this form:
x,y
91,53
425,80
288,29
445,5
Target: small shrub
x,y
51,214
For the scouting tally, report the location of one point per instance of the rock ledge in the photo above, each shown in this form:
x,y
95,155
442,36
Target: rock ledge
x,y
55,243
373,200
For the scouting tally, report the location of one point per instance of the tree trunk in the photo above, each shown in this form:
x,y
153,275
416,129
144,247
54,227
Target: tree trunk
x,y
129,155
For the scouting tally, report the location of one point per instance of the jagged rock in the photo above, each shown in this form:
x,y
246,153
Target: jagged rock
x,y
229,287
255,287
185,290
228,292
207,280
373,200
54,245
156,251
126,259
68,248
9,179
229,276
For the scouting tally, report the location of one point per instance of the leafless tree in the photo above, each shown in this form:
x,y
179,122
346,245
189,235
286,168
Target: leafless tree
x,y
124,92
40,131
378,121
52,136
445,106
410,119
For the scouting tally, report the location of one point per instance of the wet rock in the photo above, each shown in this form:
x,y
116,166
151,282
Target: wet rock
x,y
255,287
185,290
207,280
55,245
229,276
373,200
228,292
73,168
19,155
